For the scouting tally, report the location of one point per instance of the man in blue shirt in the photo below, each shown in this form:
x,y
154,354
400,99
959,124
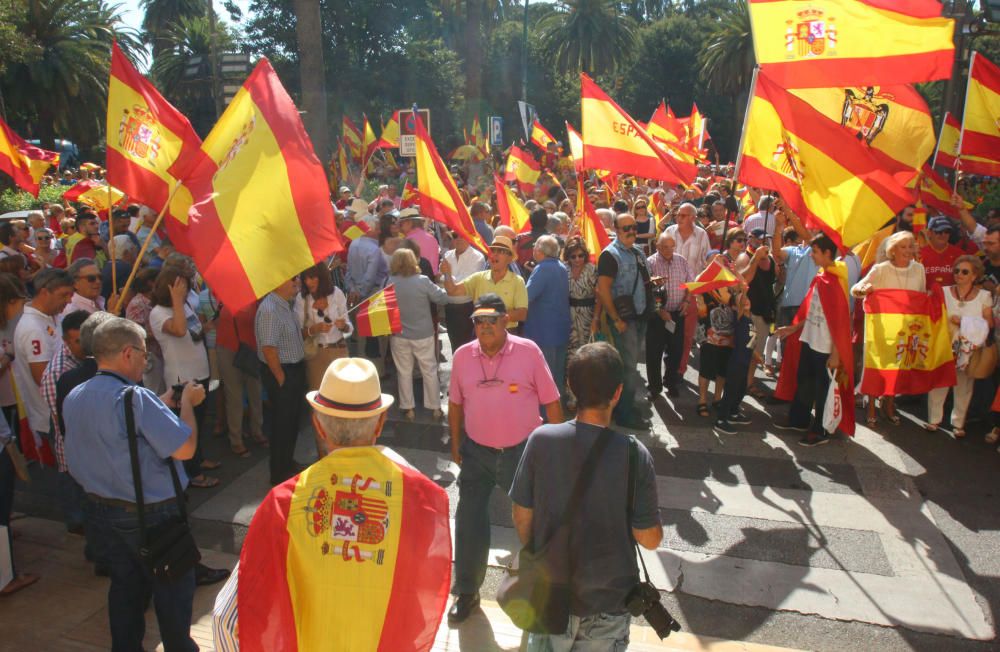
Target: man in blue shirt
x,y
97,454
548,324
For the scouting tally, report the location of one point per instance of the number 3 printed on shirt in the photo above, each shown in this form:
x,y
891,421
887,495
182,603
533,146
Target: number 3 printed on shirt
x,y
36,347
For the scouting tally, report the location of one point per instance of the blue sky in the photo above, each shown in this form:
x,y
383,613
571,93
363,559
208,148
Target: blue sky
x,y
132,11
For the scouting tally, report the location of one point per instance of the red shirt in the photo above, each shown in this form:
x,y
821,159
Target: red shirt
x,y
938,264
226,328
84,249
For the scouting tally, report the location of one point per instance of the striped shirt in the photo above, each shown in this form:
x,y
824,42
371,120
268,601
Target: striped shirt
x,y
674,273
276,326
224,615
60,363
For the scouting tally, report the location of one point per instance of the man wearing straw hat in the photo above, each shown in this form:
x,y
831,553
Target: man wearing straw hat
x,y
353,553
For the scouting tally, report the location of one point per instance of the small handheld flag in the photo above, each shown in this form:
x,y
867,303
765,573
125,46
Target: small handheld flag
x,y
714,277
379,314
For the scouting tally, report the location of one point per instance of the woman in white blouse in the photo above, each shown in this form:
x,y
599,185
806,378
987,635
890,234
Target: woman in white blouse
x,y
964,299
899,272
321,309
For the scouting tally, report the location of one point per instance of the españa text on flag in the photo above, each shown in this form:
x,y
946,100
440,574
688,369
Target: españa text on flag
x,y
907,343
851,42
352,554
379,315
825,175
262,211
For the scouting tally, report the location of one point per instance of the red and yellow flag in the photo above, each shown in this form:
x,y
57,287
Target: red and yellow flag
x,y
390,133
354,553
851,42
522,168
479,137
830,179
614,141
540,136
409,197
151,145
355,230
96,194
697,129
24,162
439,196
664,125
893,122
907,343
262,211
352,136
979,142
369,145
575,147
512,211
947,147
713,277
592,230
342,165
932,189
379,314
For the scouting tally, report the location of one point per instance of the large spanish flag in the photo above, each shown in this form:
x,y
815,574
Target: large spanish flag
x,y
540,136
522,168
512,211
614,141
439,197
979,142
353,555
851,42
907,343
262,211
96,194
591,229
825,175
151,145
892,121
575,147
25,163
379,314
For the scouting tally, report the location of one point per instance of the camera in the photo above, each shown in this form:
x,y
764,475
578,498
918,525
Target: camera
x,y
644,600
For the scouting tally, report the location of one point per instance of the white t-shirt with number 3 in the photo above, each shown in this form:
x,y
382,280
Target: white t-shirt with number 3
x,y
36,339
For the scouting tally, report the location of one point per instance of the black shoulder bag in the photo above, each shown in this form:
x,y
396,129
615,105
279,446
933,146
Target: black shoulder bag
x,y
168,550
535,591
246,358
625,304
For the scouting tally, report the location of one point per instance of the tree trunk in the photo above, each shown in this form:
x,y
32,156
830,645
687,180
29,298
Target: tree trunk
x,y
473,54
312,77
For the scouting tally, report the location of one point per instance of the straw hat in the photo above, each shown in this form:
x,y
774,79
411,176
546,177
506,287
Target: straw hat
x,y
351,390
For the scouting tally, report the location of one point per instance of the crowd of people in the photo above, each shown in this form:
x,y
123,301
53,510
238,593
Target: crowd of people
x,y
516,318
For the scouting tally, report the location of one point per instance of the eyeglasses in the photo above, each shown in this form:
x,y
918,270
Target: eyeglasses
x,y
495,381
90,278
43,237
628,228
322,315
963,271
577,256
479,321
144,352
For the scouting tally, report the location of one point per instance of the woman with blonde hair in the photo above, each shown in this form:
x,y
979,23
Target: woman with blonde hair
x,y
418,340
898,272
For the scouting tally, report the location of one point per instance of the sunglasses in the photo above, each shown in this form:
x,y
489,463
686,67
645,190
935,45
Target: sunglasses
x,y
628,228
963,271
43,237
577,256
323,316
479,321
90,278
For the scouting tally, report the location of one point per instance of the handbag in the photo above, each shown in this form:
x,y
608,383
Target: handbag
x,y
535,590
309,345
625,304
246,358
982,362
168,550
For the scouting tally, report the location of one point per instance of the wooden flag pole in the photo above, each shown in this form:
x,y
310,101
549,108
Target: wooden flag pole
x,y
111,244
142,250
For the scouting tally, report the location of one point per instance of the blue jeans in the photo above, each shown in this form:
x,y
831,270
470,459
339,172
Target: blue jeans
x,y
114,532
627,344
597,633
482,469
555,358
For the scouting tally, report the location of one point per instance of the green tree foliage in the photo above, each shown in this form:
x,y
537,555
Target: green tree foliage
x,y
162,16
13,199
14,47
590,36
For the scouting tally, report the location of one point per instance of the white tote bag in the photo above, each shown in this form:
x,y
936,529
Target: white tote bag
x,y
833,409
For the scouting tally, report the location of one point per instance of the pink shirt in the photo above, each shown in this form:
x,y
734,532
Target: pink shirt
x,y
502,411
429,247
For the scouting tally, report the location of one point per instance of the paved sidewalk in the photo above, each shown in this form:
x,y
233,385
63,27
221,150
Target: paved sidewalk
x,y
66,610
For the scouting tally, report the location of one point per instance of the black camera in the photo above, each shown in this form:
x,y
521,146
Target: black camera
x,y
644,600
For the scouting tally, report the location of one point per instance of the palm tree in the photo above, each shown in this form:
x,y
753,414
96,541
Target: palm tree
x,y
727,61
588,35
312,75
161,15
66,86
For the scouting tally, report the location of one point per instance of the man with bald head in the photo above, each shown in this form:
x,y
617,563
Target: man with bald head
x,y
665,330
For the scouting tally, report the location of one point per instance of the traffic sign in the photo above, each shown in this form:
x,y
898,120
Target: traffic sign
x,y
407,125
496,131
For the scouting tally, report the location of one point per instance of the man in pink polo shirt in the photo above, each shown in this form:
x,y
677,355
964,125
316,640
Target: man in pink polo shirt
x,y
497,383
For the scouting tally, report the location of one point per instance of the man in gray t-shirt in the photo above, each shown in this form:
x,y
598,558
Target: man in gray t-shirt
x,y
604,565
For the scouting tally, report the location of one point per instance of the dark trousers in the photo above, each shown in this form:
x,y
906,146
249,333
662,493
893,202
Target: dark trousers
x,y
458,320
7,499
193,466
736,383
482,469
286,411
662,346
114,531
810,395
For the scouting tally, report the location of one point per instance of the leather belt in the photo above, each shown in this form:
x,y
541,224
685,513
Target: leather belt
x,y
340,344
124,504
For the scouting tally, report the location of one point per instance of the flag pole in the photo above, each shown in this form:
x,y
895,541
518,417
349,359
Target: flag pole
x,y
111,243
145,246
362,302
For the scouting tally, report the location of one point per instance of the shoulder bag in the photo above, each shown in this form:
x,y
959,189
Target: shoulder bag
x,y
168,550
309,344
246,358
535,591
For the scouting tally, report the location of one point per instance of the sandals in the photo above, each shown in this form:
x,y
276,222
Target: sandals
x,y
958,433
703,410
893,418
210,465
204,482
932,427
240,451
871,421
20,582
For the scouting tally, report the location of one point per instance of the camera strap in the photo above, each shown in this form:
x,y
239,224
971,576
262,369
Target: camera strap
x,y
633,464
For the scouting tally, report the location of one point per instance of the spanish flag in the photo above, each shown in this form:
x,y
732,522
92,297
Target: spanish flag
x,y
24,162
591,229
697,129
479,137
369,145
390,133
932,189
342,165
575,147
907,343
713,277
893,122
409,197
522,168
540,136
151,145
352,136
439,197
867,251
512,211
263,211
664,125
825,175
947,146
353,555
355,230
96,194
614,141
379,314
979,142
851,42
